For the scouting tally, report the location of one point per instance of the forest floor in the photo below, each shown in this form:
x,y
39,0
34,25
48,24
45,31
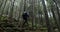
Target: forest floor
x,y
12,25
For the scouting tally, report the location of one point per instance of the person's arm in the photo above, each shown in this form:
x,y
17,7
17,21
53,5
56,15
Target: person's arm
x,y
28,15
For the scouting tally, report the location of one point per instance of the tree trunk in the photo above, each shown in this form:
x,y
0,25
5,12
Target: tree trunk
x,y
2,9
12,7
58,15
50,29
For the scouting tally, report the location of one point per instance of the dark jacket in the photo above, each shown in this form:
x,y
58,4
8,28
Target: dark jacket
x,y
25,16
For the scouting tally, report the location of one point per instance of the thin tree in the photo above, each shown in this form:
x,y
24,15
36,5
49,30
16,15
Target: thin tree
x,y
2,8
46,17
58,14
12,8
1,2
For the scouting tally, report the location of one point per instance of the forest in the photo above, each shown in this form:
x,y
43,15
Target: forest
x,y
44,15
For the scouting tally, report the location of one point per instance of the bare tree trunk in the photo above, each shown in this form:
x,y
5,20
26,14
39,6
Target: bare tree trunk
x,y
2,1
54,17
2,9
58,12
3,6
20,10
12,7
50,29
33,17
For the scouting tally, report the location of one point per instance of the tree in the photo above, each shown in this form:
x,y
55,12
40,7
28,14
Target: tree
x,y
12,8
50,29
58,14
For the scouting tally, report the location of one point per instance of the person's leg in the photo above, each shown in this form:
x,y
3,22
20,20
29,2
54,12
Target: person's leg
x,y
25,22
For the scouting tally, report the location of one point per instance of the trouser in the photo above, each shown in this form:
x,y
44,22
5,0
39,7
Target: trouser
x,y
25,22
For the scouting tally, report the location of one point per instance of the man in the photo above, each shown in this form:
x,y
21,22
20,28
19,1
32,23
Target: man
x,y
25,16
